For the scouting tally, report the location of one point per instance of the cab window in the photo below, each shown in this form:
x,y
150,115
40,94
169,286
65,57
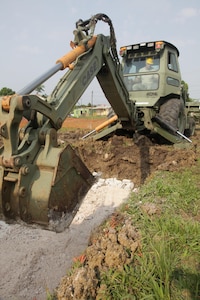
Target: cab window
x,y
172,63
132,64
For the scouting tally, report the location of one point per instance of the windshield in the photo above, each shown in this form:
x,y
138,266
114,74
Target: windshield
x,y
140,73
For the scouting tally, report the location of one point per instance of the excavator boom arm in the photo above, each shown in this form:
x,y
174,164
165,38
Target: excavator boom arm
x,y
97,62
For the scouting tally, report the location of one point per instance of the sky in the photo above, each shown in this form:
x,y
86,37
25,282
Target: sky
x,y
35,33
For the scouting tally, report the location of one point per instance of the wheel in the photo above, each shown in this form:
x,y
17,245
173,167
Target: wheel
x,y
190,131
172,113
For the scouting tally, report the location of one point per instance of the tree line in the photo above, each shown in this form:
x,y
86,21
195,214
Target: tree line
x,y
40,90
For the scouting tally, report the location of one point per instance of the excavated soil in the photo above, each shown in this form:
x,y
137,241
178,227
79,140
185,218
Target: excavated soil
x,y
107,250
125,157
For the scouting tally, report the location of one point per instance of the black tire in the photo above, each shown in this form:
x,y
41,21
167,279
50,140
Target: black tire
x,y
172,113
190,131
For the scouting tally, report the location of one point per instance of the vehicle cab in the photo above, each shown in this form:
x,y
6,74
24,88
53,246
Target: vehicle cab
x,y
151,71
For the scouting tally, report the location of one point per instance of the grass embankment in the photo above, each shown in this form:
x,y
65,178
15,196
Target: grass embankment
x,y
169,264
166,213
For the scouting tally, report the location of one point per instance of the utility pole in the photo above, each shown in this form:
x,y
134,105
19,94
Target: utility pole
x,y
92,98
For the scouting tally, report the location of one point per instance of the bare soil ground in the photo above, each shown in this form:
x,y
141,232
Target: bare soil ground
x,y
122,157
34,260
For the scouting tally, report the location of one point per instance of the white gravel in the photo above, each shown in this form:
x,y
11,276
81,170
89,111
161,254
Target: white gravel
x,y
32,260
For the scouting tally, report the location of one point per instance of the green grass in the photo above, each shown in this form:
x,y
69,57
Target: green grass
x,y
168,266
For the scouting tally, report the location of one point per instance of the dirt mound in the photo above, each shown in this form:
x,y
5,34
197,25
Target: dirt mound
x,y
122,157
107,250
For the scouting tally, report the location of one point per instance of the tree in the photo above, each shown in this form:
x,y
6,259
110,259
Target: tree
x,y
6,91
40,91
185,91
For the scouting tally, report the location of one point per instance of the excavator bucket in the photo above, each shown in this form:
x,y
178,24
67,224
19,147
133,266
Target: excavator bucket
x,y
40,181
48,192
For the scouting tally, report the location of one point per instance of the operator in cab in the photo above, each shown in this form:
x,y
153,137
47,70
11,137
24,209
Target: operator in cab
x,y
148,82
149,65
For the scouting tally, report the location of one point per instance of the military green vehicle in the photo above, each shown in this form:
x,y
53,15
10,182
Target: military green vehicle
x,y
153,79
41,181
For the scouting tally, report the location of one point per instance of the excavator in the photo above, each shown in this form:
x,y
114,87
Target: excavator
x,y
40,180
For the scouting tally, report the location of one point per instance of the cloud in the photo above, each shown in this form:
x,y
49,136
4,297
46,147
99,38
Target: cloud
x,y
187,13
